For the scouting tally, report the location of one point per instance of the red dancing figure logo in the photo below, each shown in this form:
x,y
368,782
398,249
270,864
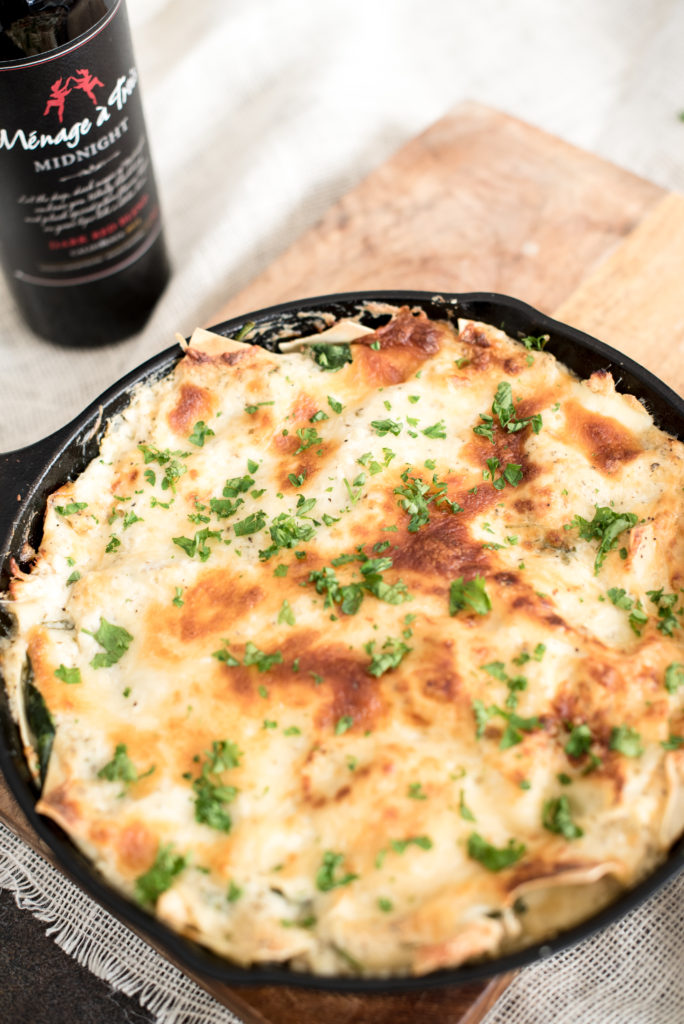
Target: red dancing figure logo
x,y
82,80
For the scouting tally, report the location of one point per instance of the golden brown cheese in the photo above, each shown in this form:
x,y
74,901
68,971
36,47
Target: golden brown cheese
x,y
369,670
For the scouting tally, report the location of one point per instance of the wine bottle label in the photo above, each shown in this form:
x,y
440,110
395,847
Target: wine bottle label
x,y
77,190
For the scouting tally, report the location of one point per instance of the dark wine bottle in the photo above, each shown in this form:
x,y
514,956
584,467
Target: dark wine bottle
x,y
81,238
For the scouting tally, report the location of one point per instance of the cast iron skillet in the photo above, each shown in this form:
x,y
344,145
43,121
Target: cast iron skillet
x,y
29,475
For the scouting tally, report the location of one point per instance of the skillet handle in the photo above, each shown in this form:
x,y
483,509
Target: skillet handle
x,y
20,470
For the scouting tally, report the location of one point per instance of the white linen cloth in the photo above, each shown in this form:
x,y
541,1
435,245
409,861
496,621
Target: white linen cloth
x,y
260,114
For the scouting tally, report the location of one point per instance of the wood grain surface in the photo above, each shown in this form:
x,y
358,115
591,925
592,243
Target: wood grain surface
x,y
479,202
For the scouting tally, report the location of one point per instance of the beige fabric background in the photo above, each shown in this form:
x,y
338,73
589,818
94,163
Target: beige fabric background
x,y
261,113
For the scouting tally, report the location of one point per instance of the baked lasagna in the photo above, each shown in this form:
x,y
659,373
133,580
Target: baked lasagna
x,y
364,656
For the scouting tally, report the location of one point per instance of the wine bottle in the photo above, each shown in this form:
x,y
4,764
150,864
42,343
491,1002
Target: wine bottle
x,y
81,238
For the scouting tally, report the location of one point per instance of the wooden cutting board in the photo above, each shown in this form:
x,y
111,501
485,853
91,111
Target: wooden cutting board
x,y
479,202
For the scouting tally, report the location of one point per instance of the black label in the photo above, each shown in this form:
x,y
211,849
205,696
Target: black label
x,y
77,189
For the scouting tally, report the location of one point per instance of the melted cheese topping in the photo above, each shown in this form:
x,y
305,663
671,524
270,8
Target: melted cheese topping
x,y
382,704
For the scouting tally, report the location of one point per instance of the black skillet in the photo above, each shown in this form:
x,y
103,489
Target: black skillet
x,y
29,475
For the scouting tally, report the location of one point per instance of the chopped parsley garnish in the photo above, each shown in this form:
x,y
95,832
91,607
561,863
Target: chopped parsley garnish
x,y
416,497
471,595
199,433
263,661
557,817
74,578
292,730
401,845
384,427
621,599
416,791
318,416
237,485
71,508
512,734
535,343
197,545
281,570
494,858
626,741
286,614
334,404
115,639
385,905
225,656
390,656
667,612
131,518
437,430
211,795
121,768
672,742
251,409
331,357
674,676
234,892
159,878
286,531
169,461
178,598
579,742
504,409
253,523
328,877
68,675
308,436
297,480
224,508
464,811
343,724
606,527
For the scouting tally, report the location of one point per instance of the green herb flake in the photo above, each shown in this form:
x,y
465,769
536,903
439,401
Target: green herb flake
x,y
225,656
286,615
579,742
393,651
606,527
211,794
263,661
74,578
471,595
626,741
416,792
199,433
674,676
331,357
328,876
234,892
121,768
557,817
71,508
281,570
159,878
464,811
253,523
335,405
251,409
385,905
115,639
436,431
68,675
672,742
492,857
178,598
401,845
384,427
343,724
